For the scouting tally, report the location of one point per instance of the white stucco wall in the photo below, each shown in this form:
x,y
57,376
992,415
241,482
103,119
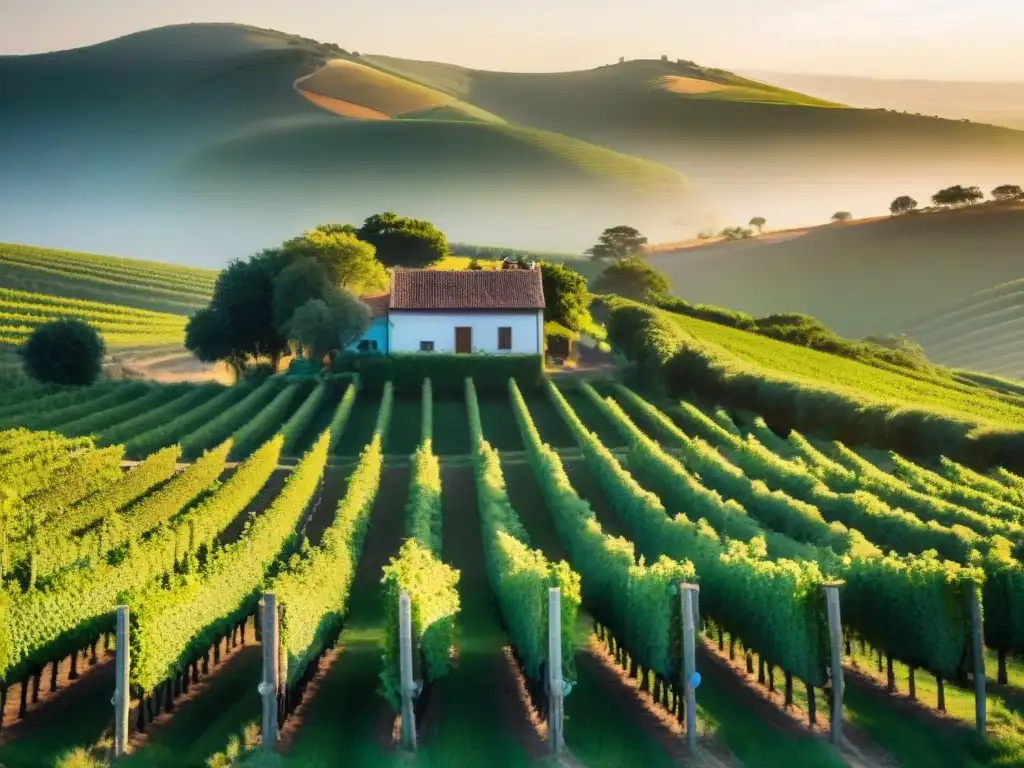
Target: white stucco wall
x,y
408,329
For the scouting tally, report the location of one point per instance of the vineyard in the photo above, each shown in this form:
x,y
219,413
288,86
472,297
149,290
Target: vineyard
x,y
372,515
145,285
120,326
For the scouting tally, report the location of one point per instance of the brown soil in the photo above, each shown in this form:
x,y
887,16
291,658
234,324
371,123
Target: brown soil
x,y
518,714
331,493
343,108
286,736
69,696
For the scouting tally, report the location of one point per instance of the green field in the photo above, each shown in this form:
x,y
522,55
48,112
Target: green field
x,y
740,480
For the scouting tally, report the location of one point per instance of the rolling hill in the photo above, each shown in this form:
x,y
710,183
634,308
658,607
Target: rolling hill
x,y
143,119
868,276
751,147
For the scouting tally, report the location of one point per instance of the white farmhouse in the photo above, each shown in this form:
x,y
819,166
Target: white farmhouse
x,y
466,311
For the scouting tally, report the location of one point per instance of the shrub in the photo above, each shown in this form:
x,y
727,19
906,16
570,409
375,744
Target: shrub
x,y
447,373
66,351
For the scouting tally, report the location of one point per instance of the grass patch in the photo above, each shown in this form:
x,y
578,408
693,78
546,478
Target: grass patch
x,y
592,417
404,429
499,423
451,428
359,429
552,427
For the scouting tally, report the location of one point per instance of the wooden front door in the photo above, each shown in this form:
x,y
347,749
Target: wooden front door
x,y
463,340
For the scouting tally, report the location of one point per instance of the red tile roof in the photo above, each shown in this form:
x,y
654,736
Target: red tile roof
x,y
378,304
467,289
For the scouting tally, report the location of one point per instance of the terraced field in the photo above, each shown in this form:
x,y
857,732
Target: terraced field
x,y
603,492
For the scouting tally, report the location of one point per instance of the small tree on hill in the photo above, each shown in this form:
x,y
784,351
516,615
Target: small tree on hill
x,y
67,351
404,242
474,264
841,216
902,204
956,196
351,262
1008,192
616,243
759,222
736,233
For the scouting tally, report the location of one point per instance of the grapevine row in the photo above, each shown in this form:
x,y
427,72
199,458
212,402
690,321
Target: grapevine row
x,y
520,577
264,423
418,570
172,431
639,603
223,425
124,431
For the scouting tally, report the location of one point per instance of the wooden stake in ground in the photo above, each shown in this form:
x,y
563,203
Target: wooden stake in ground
x,y
687,594
978,647
556,687
835,633
121,667
405,665
268,688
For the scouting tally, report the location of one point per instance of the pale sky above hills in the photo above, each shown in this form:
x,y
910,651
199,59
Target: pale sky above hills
x,y
877,38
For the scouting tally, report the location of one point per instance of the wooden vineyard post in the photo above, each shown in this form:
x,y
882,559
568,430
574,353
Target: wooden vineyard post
x,y
121,669
688,594
978,647
556,687
405,667
835,634
268,688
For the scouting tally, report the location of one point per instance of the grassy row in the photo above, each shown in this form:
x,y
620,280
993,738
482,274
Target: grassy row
x,y
98,420
129,429
520,577
418,570
222,426
175,425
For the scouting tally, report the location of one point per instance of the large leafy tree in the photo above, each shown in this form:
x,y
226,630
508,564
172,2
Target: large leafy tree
x,y
1008,192
404,242
350,262
302,280
66,351
617,243
332,322
957,195
565,296
633,278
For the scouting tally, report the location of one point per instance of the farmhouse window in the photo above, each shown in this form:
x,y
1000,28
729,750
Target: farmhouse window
x,y
505,337
367,345
426,346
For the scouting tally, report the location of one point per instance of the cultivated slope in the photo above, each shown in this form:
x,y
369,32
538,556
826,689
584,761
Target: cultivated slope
x,y
984,331
863,277
143,118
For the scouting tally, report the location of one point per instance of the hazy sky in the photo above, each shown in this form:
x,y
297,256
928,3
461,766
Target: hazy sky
x,y
878,38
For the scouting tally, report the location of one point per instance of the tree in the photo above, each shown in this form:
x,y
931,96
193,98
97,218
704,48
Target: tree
x,y
239,323
759,222
632,278
956,196
841,216
902,204
350,262
474,264
617,243
304,279
404,242
1008,192
332,322
66,351
565,296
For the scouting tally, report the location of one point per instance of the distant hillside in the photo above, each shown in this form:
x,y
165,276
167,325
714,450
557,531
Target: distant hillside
x,y
876,276
999,103
144,119
983,332
144,285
